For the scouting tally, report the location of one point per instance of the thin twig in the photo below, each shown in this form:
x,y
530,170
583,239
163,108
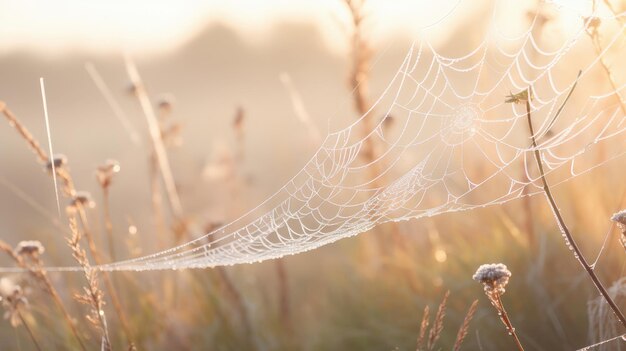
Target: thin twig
x,y
561,222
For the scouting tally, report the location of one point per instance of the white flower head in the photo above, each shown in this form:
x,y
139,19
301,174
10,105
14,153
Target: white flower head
x,y
619,217
29,248
494,276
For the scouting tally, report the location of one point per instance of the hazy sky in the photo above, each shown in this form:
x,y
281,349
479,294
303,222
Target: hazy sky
x,y
152,25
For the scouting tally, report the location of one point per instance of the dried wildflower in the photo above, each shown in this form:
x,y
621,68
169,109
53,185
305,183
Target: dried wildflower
x,y
493,276
620,219
105,173
13,300
165,103
84,199
59,161
31,248
518,98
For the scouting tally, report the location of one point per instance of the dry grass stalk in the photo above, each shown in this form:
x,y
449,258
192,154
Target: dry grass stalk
x,y
154,128
34,265
423,328
104,175
106,277
80,200
24,133
569,239
460,336
428,344
361,53
157,201
494,278
92,296
435,330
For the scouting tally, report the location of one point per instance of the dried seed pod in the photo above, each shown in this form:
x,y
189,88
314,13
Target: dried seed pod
x,y
105,173
83,198
59,161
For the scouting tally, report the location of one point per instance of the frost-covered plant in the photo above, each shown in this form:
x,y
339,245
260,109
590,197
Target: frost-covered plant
x,y
495,277
620,219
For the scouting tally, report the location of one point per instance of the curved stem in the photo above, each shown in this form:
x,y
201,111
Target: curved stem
x,y
570,239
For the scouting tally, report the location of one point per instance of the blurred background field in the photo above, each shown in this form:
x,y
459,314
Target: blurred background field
x,y
234,140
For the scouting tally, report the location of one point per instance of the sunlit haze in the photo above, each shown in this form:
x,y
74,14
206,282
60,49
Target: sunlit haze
x,y
145,26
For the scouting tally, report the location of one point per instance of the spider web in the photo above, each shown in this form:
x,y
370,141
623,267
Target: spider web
x,y
454,144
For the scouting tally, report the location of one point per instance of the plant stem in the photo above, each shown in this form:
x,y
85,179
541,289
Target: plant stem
x,y
117,306
39,272
569,238
108,223
157,140
507,322
70,191
30,332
